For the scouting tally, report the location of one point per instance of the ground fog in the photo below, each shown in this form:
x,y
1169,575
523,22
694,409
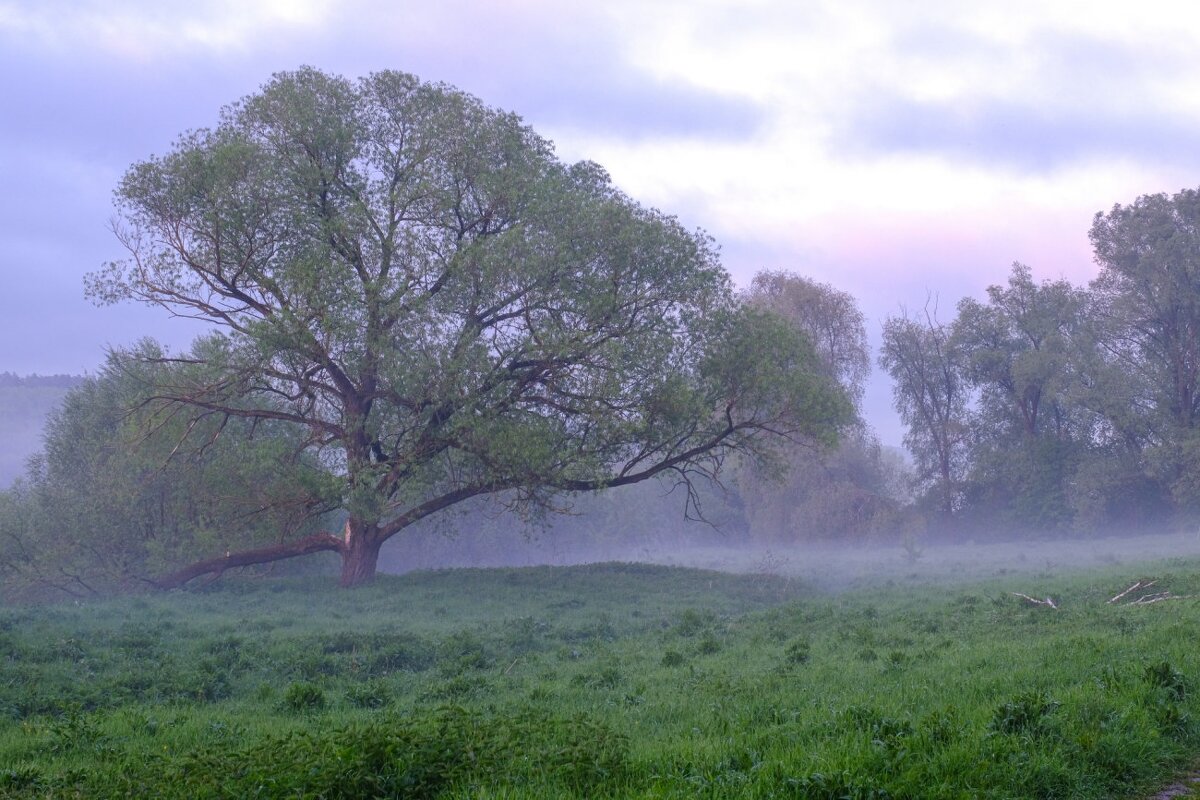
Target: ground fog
x,y
833,567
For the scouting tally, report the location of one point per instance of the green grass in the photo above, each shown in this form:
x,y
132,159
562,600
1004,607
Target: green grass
x,y
604,681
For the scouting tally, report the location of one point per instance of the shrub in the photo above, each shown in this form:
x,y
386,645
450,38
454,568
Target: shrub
x,y
692,622
1026,713
831,786
21,778
302,696
372,694
1164,676
672,658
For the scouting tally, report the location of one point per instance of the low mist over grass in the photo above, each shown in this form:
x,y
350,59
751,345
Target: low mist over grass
x,y
608,681
824,565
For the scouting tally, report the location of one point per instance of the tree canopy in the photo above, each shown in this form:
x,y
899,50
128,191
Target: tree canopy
x,y
444,310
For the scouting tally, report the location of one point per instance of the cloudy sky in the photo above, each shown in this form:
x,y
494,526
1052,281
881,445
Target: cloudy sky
x,y
893,149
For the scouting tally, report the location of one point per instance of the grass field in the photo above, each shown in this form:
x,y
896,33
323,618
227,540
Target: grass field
x,y
606,681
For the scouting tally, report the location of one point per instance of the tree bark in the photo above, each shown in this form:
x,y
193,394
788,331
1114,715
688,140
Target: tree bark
x,y
360,553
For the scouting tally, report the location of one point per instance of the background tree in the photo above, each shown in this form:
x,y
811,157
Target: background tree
x,y
932,395
1017,350
829,317
843,493
1146,308
444,309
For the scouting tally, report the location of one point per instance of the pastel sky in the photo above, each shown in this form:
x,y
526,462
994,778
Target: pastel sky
x,y
893,149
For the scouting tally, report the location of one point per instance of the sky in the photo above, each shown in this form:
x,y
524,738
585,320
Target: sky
x,y
901,151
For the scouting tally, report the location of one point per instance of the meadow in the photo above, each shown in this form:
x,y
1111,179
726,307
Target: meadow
x,y
610,680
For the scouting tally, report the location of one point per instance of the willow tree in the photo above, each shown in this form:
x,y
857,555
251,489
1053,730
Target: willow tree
x,y
445,309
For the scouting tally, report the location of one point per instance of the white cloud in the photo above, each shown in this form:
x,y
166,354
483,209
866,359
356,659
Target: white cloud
x,y
154,31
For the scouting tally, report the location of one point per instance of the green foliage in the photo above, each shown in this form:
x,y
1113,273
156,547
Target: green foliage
x,y
826,786
797,651
373,694
672,658
1164,676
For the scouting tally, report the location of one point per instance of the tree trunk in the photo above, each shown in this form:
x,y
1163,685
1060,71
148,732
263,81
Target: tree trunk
x,y
360,553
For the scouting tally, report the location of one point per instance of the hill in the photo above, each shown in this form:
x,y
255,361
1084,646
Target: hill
x,y
24,403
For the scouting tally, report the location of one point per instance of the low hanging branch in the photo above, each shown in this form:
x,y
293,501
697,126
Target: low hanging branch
x,y
315,543
1049,601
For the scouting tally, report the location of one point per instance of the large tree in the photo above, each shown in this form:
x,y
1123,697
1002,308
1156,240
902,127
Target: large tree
x,y
1017,349
1148,297
444,309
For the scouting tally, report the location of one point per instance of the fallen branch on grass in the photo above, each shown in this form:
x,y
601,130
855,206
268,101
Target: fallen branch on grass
x,y
1157,598
1136,586
1049,601
1146,599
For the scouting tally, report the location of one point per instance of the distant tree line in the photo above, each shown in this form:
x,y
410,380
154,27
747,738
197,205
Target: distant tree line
x,y
1052,407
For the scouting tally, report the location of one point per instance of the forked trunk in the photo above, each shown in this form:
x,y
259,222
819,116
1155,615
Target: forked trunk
x,y
360,555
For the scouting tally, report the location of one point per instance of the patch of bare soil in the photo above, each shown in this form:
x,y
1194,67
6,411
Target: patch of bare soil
x,y
1182,789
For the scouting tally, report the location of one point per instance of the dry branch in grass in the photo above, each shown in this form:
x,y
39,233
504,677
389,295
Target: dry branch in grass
x,y
1136,586
1049,601
1155,598
1147,599
1140,600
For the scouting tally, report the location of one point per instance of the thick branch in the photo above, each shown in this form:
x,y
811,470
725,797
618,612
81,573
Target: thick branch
x,y
432,507
672,462
316,543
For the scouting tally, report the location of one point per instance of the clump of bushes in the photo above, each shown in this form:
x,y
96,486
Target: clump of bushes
x,y
797,652
1025,713
304,696
372,694
672,658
